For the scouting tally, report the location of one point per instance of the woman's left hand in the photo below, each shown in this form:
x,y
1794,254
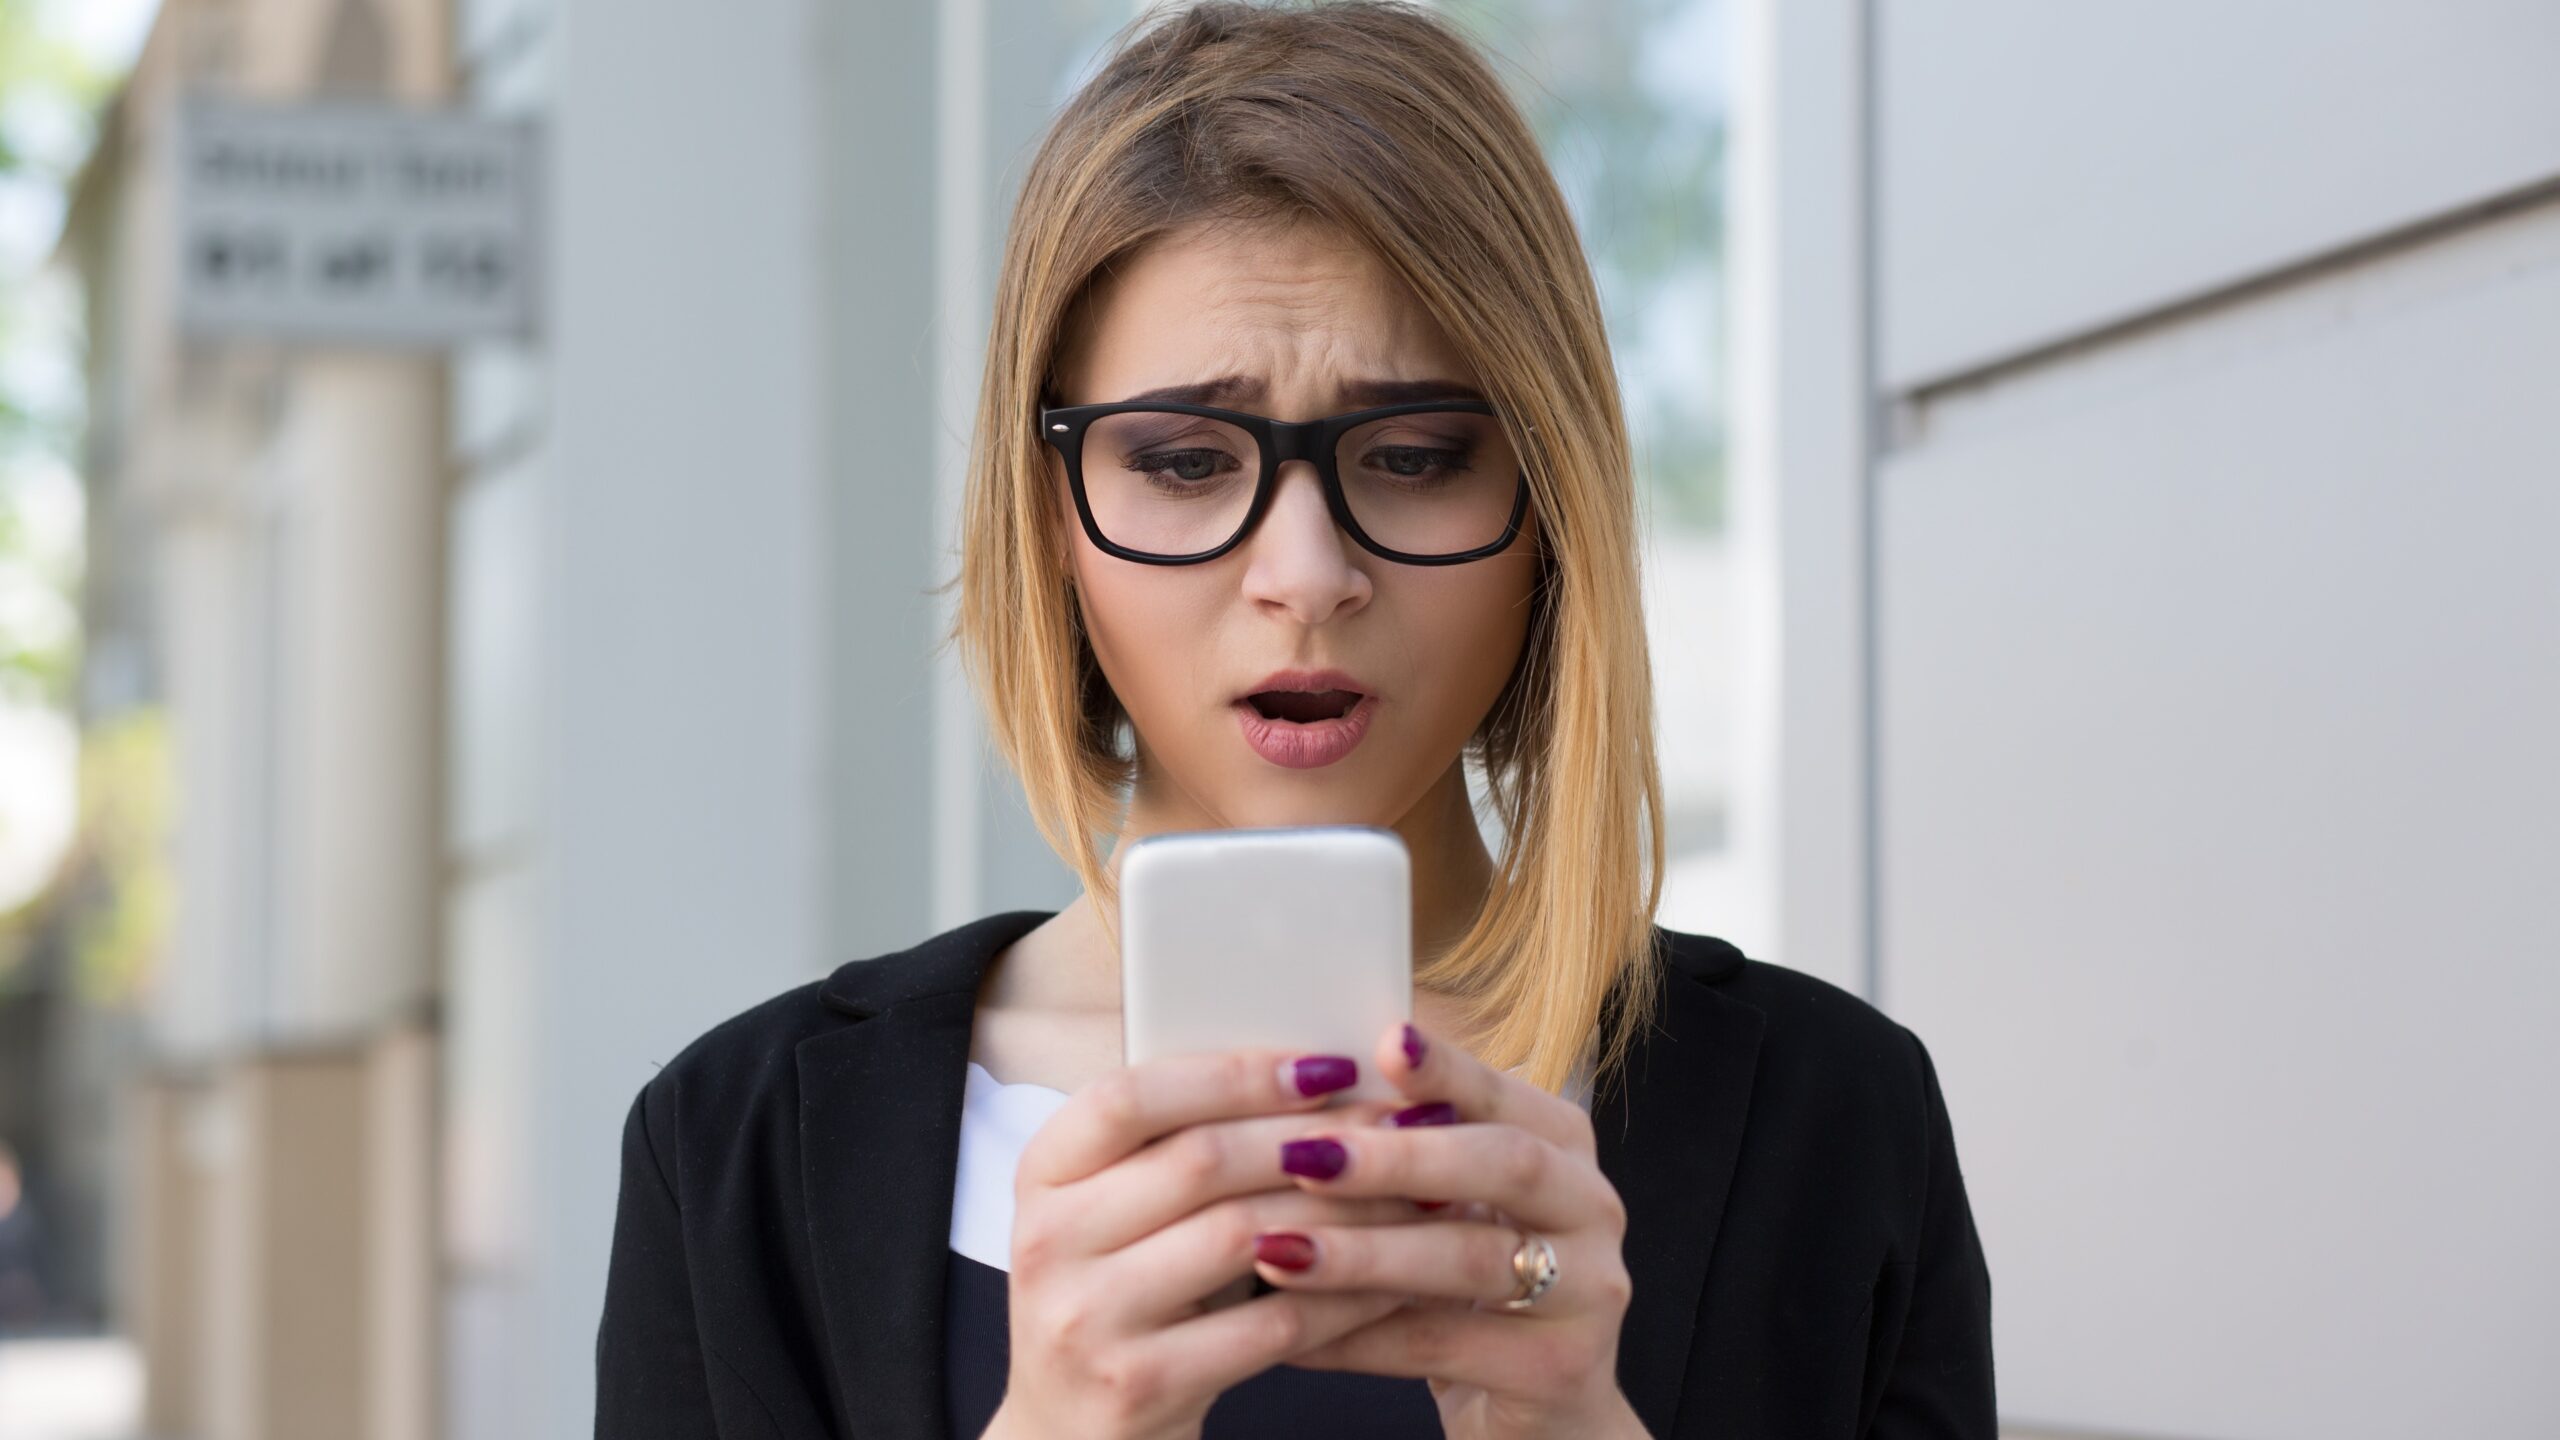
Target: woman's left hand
x,y
1509,1154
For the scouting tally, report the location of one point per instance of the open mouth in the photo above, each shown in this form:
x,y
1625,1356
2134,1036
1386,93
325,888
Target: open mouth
x,y
1303,707
1305,729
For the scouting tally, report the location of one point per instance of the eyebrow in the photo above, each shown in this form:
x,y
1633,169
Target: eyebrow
x,y
1229,390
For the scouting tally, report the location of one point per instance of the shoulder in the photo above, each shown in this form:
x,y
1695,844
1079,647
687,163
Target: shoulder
x,y
742,1053
1802,1010
1826,1055
734,1084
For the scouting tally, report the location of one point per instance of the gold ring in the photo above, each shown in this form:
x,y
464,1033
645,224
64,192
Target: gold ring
x,y
1533,1265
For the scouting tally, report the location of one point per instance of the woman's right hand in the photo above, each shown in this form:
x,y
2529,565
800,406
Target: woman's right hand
x,y
1139,1199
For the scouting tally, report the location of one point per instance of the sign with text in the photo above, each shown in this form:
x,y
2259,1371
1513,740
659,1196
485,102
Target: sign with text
x,y
354,223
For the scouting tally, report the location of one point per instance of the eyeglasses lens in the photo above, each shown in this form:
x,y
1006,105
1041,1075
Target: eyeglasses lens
x,y
1433,482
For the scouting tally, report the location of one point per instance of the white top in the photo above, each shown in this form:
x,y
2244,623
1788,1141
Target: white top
x,y
997,1120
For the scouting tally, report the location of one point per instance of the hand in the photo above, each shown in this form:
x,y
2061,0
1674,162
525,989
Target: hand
x,y
1141,1196
1510,1151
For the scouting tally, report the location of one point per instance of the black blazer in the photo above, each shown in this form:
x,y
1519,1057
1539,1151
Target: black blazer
x,y
1805,1262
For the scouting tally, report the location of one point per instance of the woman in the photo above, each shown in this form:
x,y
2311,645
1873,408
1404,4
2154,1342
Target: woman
x,y
1640,1184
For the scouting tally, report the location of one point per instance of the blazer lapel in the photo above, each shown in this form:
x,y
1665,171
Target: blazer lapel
x,y
880,1148
1668,1139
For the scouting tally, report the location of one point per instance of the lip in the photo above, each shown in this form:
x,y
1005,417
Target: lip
x,y
1312,681
1317,743
1310,746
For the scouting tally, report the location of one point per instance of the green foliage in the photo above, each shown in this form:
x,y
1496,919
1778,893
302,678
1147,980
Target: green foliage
x,y
125,812
108,899
49,99
108,905
37,60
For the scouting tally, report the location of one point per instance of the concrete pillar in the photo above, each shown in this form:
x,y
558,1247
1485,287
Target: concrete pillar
x,y
164,1251
1801,463
359,454
286,1291
403,1304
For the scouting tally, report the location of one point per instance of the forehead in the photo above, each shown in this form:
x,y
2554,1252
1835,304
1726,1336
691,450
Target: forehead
x,y
1300,307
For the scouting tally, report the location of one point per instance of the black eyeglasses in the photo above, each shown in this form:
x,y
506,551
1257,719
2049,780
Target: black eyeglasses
x,y
1432,482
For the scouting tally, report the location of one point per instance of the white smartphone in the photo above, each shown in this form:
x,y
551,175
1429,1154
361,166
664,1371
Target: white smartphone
x,y
1299,937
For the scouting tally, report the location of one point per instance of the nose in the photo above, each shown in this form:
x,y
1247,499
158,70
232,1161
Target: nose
x,y
1297,560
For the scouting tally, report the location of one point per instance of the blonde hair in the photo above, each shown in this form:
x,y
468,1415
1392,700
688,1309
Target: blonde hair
x,y
1379,119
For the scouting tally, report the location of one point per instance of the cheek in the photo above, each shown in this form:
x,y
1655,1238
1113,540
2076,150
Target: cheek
x,y
1115,622
1149,633
1121,610
1464,628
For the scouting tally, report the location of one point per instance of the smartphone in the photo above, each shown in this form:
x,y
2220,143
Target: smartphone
x,y
1299,937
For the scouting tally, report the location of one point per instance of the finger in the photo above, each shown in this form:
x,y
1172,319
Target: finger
x,y
1502,1165
1426,1068
1174,1176
1445,1260
1208,1354
1125,1109
1164,1275
1491,1349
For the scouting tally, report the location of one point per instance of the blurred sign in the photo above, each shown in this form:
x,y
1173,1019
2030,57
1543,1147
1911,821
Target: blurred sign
x,y
354,223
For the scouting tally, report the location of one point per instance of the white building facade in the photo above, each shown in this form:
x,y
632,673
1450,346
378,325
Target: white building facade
x,y
2171,654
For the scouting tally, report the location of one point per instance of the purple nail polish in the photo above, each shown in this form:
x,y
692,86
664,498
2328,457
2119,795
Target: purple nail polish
x,y
1317,1159
1430,1112
1414,1049
1323,1074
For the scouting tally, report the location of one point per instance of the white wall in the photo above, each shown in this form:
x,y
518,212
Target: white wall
x,y
2216,656
2048,169
639,582
2219,807
691,642
1800,470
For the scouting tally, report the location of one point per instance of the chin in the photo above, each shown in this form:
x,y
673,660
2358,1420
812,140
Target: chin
x,y
1335,797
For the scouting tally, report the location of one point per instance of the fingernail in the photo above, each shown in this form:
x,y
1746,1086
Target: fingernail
x,y
1319,1074
1430,1112
1285,1249
1414,1048
1317,1159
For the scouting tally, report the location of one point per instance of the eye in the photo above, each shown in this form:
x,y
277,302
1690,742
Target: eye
x,y
1178,469
1417,462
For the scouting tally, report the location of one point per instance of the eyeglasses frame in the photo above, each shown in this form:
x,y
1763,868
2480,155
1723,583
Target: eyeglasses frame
x,y
1278,442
